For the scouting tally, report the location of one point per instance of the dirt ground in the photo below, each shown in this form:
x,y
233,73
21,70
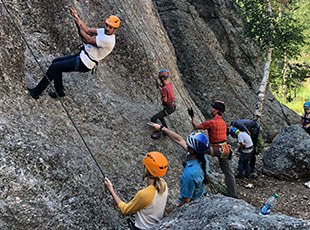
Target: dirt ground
x,y
294,197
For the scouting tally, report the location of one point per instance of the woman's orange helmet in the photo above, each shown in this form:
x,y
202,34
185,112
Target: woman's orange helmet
x,y
113,21
156,163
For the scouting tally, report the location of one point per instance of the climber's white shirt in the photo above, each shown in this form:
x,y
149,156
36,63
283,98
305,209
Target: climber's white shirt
x,y
105,44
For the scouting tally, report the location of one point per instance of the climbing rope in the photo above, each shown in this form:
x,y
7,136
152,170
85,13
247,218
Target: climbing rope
x,y
138,19
61,102
151,43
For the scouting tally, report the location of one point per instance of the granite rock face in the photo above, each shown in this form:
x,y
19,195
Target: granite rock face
x,y
48,178
218,212
289,154
217,62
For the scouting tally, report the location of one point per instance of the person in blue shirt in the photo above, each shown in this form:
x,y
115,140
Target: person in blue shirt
x,y
194,176
192,186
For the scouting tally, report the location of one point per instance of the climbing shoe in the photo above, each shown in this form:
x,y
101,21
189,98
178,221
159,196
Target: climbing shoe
x,y
247,176
33,93
155,135
253,175
54,95
238,176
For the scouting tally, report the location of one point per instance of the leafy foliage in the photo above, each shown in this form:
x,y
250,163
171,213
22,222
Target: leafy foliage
x,y
284,31
287,28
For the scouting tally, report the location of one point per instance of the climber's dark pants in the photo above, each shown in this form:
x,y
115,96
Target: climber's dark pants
x,y
163,113
254,137
59,65
227,170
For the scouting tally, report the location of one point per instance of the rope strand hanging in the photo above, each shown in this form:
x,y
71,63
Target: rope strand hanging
x,y
138,19
60,100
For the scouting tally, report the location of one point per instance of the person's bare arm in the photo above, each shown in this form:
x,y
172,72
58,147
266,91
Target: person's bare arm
x,y
82,25
173,135
86,38
158,83
195,124
88,35
109,186
241,145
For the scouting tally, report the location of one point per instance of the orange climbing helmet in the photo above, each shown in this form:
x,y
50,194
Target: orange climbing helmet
x,y
113,21
156,163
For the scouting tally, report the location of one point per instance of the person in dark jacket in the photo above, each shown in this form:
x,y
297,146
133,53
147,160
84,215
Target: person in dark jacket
x,y
252,128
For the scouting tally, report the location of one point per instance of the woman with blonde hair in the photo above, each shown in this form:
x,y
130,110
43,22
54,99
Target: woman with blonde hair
x,y
149,203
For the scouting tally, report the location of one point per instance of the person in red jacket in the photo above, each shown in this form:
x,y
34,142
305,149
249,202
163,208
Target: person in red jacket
x,y
217,132
168,99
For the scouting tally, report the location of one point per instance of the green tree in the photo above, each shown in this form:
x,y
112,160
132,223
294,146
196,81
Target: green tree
x,y
302,15
271,25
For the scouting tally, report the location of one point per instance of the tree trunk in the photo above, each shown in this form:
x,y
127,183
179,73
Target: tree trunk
x,y
264,83
284,78
263,86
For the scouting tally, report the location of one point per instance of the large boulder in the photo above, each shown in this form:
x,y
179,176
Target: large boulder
x,y
218,212
289,154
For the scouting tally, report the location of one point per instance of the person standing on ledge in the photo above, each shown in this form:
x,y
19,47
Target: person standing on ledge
x,y
217,131
97,44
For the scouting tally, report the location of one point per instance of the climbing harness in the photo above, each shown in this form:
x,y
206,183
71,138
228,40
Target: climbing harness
x,y
221,149
59,98
94,70
131,224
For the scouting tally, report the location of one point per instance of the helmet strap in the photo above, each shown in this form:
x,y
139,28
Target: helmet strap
x,y
151,180
192,153
146,173
214,112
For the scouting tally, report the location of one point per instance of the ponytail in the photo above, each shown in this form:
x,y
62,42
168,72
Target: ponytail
x,y
202,159
160,185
